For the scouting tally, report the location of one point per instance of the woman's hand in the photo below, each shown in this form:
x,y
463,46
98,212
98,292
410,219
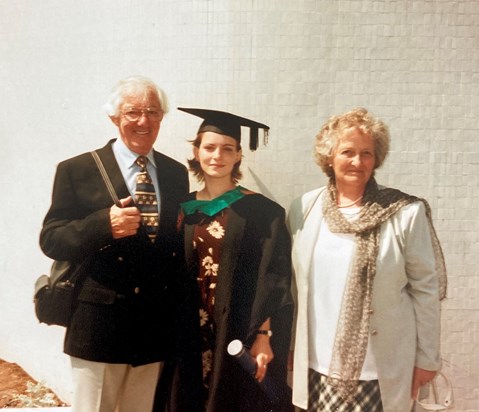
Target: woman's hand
x,y
262,352
420,377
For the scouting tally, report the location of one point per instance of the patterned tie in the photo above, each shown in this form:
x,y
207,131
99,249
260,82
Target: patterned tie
x,y
146,200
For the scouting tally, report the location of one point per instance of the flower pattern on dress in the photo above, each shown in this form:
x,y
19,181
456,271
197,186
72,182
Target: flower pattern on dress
x,y
207,262
208,239
215,229
211,268
207,362
203,317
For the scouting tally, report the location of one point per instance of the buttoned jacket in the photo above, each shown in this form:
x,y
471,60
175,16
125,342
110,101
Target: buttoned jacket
x,y
125,309
405,317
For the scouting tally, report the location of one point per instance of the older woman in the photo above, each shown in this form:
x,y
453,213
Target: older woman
x,y
369,273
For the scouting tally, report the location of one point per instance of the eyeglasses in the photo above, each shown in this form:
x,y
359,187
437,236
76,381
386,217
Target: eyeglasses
x,y
134,114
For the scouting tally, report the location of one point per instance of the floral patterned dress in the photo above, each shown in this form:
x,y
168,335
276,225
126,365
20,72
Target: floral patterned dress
x,y
251,230
207,241
210,221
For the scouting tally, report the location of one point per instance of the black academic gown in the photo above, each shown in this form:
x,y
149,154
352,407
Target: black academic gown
x,y
253,285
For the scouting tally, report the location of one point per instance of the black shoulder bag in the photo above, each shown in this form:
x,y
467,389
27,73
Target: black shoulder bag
x,y
55,294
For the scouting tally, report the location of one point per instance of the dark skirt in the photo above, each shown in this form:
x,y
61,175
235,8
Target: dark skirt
x,y
324,396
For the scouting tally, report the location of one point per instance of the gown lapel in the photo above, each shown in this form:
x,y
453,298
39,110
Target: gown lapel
x,y
229,256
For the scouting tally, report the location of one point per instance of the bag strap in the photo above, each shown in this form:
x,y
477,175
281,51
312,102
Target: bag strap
x,y
106,178
448,399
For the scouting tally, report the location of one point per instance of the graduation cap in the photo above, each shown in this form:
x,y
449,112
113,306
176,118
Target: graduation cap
x,y
228,124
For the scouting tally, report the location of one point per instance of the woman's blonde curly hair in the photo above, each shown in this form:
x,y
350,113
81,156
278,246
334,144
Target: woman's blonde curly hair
x,y
329,136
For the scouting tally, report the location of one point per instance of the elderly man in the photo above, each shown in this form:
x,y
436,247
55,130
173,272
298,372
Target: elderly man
x,y
123,327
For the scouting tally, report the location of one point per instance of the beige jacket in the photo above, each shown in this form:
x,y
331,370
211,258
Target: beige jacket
x,y
405,323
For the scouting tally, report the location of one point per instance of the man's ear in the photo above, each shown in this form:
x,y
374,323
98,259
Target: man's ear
x,y
115,120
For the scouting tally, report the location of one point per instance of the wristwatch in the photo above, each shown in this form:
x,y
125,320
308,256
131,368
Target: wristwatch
x,y
267,332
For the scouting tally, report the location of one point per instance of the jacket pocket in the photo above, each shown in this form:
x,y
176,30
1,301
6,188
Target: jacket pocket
x,y
93,292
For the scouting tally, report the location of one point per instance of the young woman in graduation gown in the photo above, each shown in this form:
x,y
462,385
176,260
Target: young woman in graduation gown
x,y
238,249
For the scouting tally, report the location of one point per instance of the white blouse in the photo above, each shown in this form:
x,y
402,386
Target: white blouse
x,y
331,261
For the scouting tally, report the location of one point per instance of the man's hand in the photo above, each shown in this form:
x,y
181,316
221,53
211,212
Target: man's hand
x,y
420,377
125,221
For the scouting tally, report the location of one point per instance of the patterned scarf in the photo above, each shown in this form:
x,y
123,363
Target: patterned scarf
x,y
352,332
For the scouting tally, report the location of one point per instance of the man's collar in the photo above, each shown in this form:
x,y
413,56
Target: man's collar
x,y
130,156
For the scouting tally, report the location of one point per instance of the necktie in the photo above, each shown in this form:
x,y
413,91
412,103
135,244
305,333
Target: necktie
x,y
146,200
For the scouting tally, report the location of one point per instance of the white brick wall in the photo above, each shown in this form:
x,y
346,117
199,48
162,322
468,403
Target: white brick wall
x,y
290,64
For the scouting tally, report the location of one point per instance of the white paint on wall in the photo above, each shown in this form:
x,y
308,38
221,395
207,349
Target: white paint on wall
x,y
287,64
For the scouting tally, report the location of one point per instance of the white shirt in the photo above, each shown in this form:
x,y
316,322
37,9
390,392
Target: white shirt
x,y
331,261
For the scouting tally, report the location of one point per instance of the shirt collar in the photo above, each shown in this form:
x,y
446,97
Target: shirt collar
x,y
129,157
